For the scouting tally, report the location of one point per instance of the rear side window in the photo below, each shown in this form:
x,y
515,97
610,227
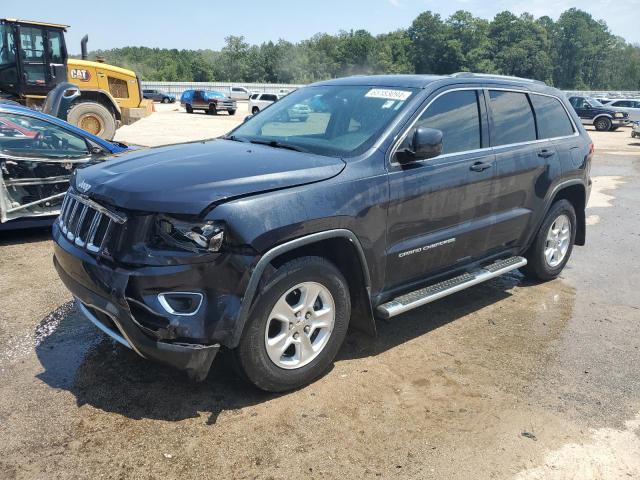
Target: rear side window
x,y
513,120
553,120
269,97
457,115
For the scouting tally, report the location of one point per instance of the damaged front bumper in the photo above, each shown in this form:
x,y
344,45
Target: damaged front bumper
x,y
122,303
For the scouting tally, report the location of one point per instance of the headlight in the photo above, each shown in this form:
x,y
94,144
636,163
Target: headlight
x,y
196,237
618,114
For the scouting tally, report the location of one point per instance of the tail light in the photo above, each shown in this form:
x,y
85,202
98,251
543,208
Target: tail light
x,y
592,148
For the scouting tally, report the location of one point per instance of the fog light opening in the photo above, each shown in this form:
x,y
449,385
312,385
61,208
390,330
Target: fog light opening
x,y
181,303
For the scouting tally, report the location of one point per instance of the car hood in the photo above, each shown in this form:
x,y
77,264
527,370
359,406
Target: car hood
x,y
188,178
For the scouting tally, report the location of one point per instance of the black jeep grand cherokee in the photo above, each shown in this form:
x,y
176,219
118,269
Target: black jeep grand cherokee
x,y
274,240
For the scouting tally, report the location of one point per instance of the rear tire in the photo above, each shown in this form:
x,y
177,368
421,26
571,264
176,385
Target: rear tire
x,y
602,124
93,117
553,244
165,100
296,325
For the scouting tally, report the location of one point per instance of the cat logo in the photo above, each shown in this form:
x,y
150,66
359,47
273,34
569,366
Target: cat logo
x,y
80,74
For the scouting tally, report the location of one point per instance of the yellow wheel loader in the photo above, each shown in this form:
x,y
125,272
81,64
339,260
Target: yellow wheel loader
x,y
34,61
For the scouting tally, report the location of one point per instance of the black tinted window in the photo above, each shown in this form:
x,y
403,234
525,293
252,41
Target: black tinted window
x,y
270,98
512,118
457,115
552,117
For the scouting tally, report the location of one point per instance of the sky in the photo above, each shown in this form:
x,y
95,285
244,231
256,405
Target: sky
x,y
194,24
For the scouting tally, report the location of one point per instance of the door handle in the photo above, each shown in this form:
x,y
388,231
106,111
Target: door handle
x,y
480,166
544,153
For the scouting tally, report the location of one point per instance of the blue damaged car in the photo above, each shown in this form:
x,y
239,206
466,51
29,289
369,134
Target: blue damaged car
x,y
38,154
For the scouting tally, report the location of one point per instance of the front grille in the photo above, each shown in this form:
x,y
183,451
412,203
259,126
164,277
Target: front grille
x,y
87,223
229,104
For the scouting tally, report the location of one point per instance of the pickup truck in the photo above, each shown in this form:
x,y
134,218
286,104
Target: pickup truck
x,y
603,118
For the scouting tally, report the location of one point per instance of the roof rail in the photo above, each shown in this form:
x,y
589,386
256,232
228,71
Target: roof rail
x,y
491,75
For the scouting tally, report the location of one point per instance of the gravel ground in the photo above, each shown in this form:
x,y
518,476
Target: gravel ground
x,y
507,380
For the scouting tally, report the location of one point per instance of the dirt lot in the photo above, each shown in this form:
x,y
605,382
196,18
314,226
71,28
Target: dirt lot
x,y
508,380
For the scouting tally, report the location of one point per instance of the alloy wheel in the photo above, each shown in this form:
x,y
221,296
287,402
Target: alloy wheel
x,y
557,243
299,325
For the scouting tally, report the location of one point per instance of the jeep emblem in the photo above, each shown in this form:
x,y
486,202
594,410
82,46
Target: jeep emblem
x,y
84,186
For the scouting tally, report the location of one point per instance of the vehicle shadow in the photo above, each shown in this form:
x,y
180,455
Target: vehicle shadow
x,y
423,320
76,357
28,235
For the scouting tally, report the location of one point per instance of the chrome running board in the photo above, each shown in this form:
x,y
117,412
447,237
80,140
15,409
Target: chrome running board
x,y
425,295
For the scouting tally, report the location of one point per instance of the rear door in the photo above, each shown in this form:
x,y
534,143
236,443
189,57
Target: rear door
x,y
527,157
198,100
440,209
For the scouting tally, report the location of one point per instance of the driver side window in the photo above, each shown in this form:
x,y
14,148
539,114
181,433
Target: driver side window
x,y
22,135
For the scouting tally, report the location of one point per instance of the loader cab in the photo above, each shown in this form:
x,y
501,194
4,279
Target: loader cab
x,y
33,57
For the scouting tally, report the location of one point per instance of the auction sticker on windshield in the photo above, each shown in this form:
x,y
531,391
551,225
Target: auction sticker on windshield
x,y
388,94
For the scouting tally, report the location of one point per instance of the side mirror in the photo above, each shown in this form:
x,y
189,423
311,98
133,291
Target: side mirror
x,y
247,118
423,144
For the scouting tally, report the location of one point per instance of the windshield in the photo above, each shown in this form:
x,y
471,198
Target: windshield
x,y
335,120
593,102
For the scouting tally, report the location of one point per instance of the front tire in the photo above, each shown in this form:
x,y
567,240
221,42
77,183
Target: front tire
x,y
231,111
553,243
296,325
255,110
188,108
602,124
165,100
93,117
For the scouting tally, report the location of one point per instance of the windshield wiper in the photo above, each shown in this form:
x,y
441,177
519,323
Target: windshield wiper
x,y
235,138
277,144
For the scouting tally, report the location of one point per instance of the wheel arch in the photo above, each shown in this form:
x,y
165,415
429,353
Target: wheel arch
x,y
600,115
340,246
576,194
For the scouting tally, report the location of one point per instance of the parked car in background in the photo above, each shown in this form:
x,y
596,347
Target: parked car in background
x,y
208,101
239,93
260,101
299,111
635,131
277,239
592,112
158,96
629,105
38,154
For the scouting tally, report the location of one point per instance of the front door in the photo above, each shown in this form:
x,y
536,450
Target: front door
x,y
440,211
42,58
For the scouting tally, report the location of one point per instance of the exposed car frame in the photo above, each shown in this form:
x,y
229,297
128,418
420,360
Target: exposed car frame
x,y
41,211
